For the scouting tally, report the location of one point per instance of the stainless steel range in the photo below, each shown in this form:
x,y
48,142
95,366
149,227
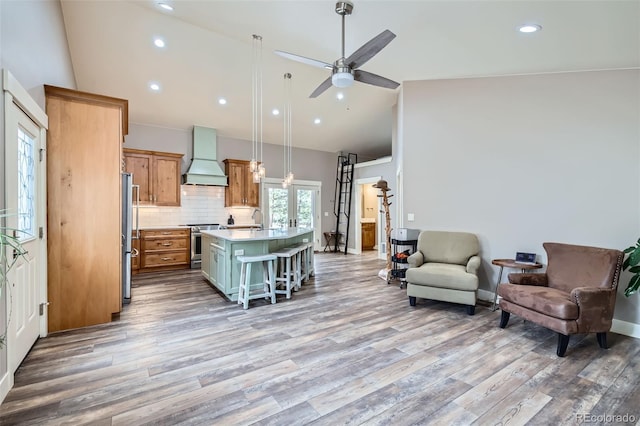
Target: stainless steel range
x,y
196,242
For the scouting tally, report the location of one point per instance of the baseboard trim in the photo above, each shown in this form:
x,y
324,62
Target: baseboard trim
x,y
627,328
5,385
485,295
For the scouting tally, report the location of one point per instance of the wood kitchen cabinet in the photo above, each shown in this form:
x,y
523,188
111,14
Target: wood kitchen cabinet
x,y
165,249
84,158
241,191
157,174
368,235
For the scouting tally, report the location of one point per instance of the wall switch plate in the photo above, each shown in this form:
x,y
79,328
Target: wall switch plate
x,y
411,217
326,214
305,240
239,252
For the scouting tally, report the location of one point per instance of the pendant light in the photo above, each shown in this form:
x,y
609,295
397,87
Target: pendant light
x,y
256,166
287,159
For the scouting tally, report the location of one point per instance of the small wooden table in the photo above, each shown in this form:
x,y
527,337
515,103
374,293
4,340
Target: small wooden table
x,y
510,263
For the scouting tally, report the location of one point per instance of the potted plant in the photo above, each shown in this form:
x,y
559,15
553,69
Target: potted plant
x,y
631,263
10,250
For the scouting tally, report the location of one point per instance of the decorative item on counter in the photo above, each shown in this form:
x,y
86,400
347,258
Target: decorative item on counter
x,y
382,186
230,221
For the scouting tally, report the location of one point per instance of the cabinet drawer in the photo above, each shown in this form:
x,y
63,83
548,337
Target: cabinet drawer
x,y
165,244
164,259
163,233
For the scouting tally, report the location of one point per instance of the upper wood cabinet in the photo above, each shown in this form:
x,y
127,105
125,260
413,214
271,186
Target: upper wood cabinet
x,y
242,191
84,260
157,174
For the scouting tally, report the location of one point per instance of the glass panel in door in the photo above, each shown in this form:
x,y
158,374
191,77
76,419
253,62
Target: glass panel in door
x,y
277,206
305,206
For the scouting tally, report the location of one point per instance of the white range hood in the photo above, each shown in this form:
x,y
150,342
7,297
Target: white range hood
x,y
204,168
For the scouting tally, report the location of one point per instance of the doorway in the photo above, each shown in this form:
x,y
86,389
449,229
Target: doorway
x,y
298,205
367,210
25,202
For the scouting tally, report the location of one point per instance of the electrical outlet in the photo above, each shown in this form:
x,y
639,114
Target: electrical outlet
x,y
305,240
411,217
326,213
239,252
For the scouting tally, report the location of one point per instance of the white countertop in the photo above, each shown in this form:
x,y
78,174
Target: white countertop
x,y
254,234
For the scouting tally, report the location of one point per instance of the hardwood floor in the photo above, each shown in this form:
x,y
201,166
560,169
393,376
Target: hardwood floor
x,y
346,349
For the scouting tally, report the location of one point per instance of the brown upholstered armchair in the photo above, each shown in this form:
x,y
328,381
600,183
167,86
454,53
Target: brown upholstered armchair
x,y
577,294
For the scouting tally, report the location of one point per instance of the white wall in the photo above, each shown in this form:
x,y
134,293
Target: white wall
x,y
526,159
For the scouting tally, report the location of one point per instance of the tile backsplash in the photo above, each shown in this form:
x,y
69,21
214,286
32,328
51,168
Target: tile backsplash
x,y
199,205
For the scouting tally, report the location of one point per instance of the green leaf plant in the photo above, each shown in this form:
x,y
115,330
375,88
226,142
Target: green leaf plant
x,y
10,250
631,262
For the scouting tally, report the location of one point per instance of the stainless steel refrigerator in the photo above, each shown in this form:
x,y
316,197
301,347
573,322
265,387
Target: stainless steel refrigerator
x,y
129,205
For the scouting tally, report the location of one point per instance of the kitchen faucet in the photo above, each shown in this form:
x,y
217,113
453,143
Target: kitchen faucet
x,y
253,216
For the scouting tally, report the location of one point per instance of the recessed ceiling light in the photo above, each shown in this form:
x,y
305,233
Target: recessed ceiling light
x,y
530,28
317,121
340,96
222,101
165,6
275,111
158,42
154,86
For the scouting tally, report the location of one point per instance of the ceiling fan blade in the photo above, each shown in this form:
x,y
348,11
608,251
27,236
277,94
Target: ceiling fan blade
x,y
369,49
320,89
304,60
374,79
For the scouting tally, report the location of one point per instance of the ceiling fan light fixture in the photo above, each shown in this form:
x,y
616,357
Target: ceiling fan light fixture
x,y
342,79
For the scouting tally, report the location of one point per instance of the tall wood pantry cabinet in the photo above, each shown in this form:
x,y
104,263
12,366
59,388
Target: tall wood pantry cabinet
x,y
157,174
241,191
84,236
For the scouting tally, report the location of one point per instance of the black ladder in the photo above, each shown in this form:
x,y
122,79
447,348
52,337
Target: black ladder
x,y
342,199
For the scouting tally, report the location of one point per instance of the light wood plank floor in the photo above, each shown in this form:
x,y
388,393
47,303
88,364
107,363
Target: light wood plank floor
x,y
346,349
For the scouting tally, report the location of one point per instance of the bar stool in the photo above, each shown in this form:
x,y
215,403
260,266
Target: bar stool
x,y
268,274
306,260
288,269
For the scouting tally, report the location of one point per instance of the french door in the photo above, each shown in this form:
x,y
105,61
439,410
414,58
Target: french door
x,y
295,206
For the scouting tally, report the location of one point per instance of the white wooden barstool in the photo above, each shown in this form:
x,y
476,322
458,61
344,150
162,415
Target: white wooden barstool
x,y
269,283
288,269
306,260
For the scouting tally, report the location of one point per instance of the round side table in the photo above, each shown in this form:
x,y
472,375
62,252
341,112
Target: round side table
x,y
510,263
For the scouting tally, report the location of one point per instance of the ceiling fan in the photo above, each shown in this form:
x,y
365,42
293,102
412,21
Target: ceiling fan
x,y
345,70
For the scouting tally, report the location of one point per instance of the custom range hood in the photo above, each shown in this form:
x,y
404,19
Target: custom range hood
x,y
204,168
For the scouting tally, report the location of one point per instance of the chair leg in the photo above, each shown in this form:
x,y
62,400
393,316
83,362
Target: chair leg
x,y
504,319
602,340
563,342
471,309
412,301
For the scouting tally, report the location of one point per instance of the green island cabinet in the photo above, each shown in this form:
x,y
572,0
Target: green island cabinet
x,y
221,248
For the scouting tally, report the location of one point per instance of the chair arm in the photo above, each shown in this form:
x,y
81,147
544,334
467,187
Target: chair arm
x,y
590,296
529,279
596,306
415,260
473,264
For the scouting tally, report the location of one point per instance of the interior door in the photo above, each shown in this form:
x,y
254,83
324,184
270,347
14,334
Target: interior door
x,y
23,186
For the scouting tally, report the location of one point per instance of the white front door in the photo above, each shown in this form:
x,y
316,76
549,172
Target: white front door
x,y
24,216
294,206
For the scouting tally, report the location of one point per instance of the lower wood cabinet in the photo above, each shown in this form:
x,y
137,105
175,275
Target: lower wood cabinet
x,y
368,235
164,249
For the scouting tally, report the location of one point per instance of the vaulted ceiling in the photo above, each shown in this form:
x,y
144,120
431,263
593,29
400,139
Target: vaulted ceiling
x,y
208,55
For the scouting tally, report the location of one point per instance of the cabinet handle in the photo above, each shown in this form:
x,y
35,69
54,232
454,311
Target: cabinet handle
x,y
166,258
166,233
167,244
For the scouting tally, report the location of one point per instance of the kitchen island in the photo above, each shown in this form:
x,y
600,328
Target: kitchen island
x,y
220,249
